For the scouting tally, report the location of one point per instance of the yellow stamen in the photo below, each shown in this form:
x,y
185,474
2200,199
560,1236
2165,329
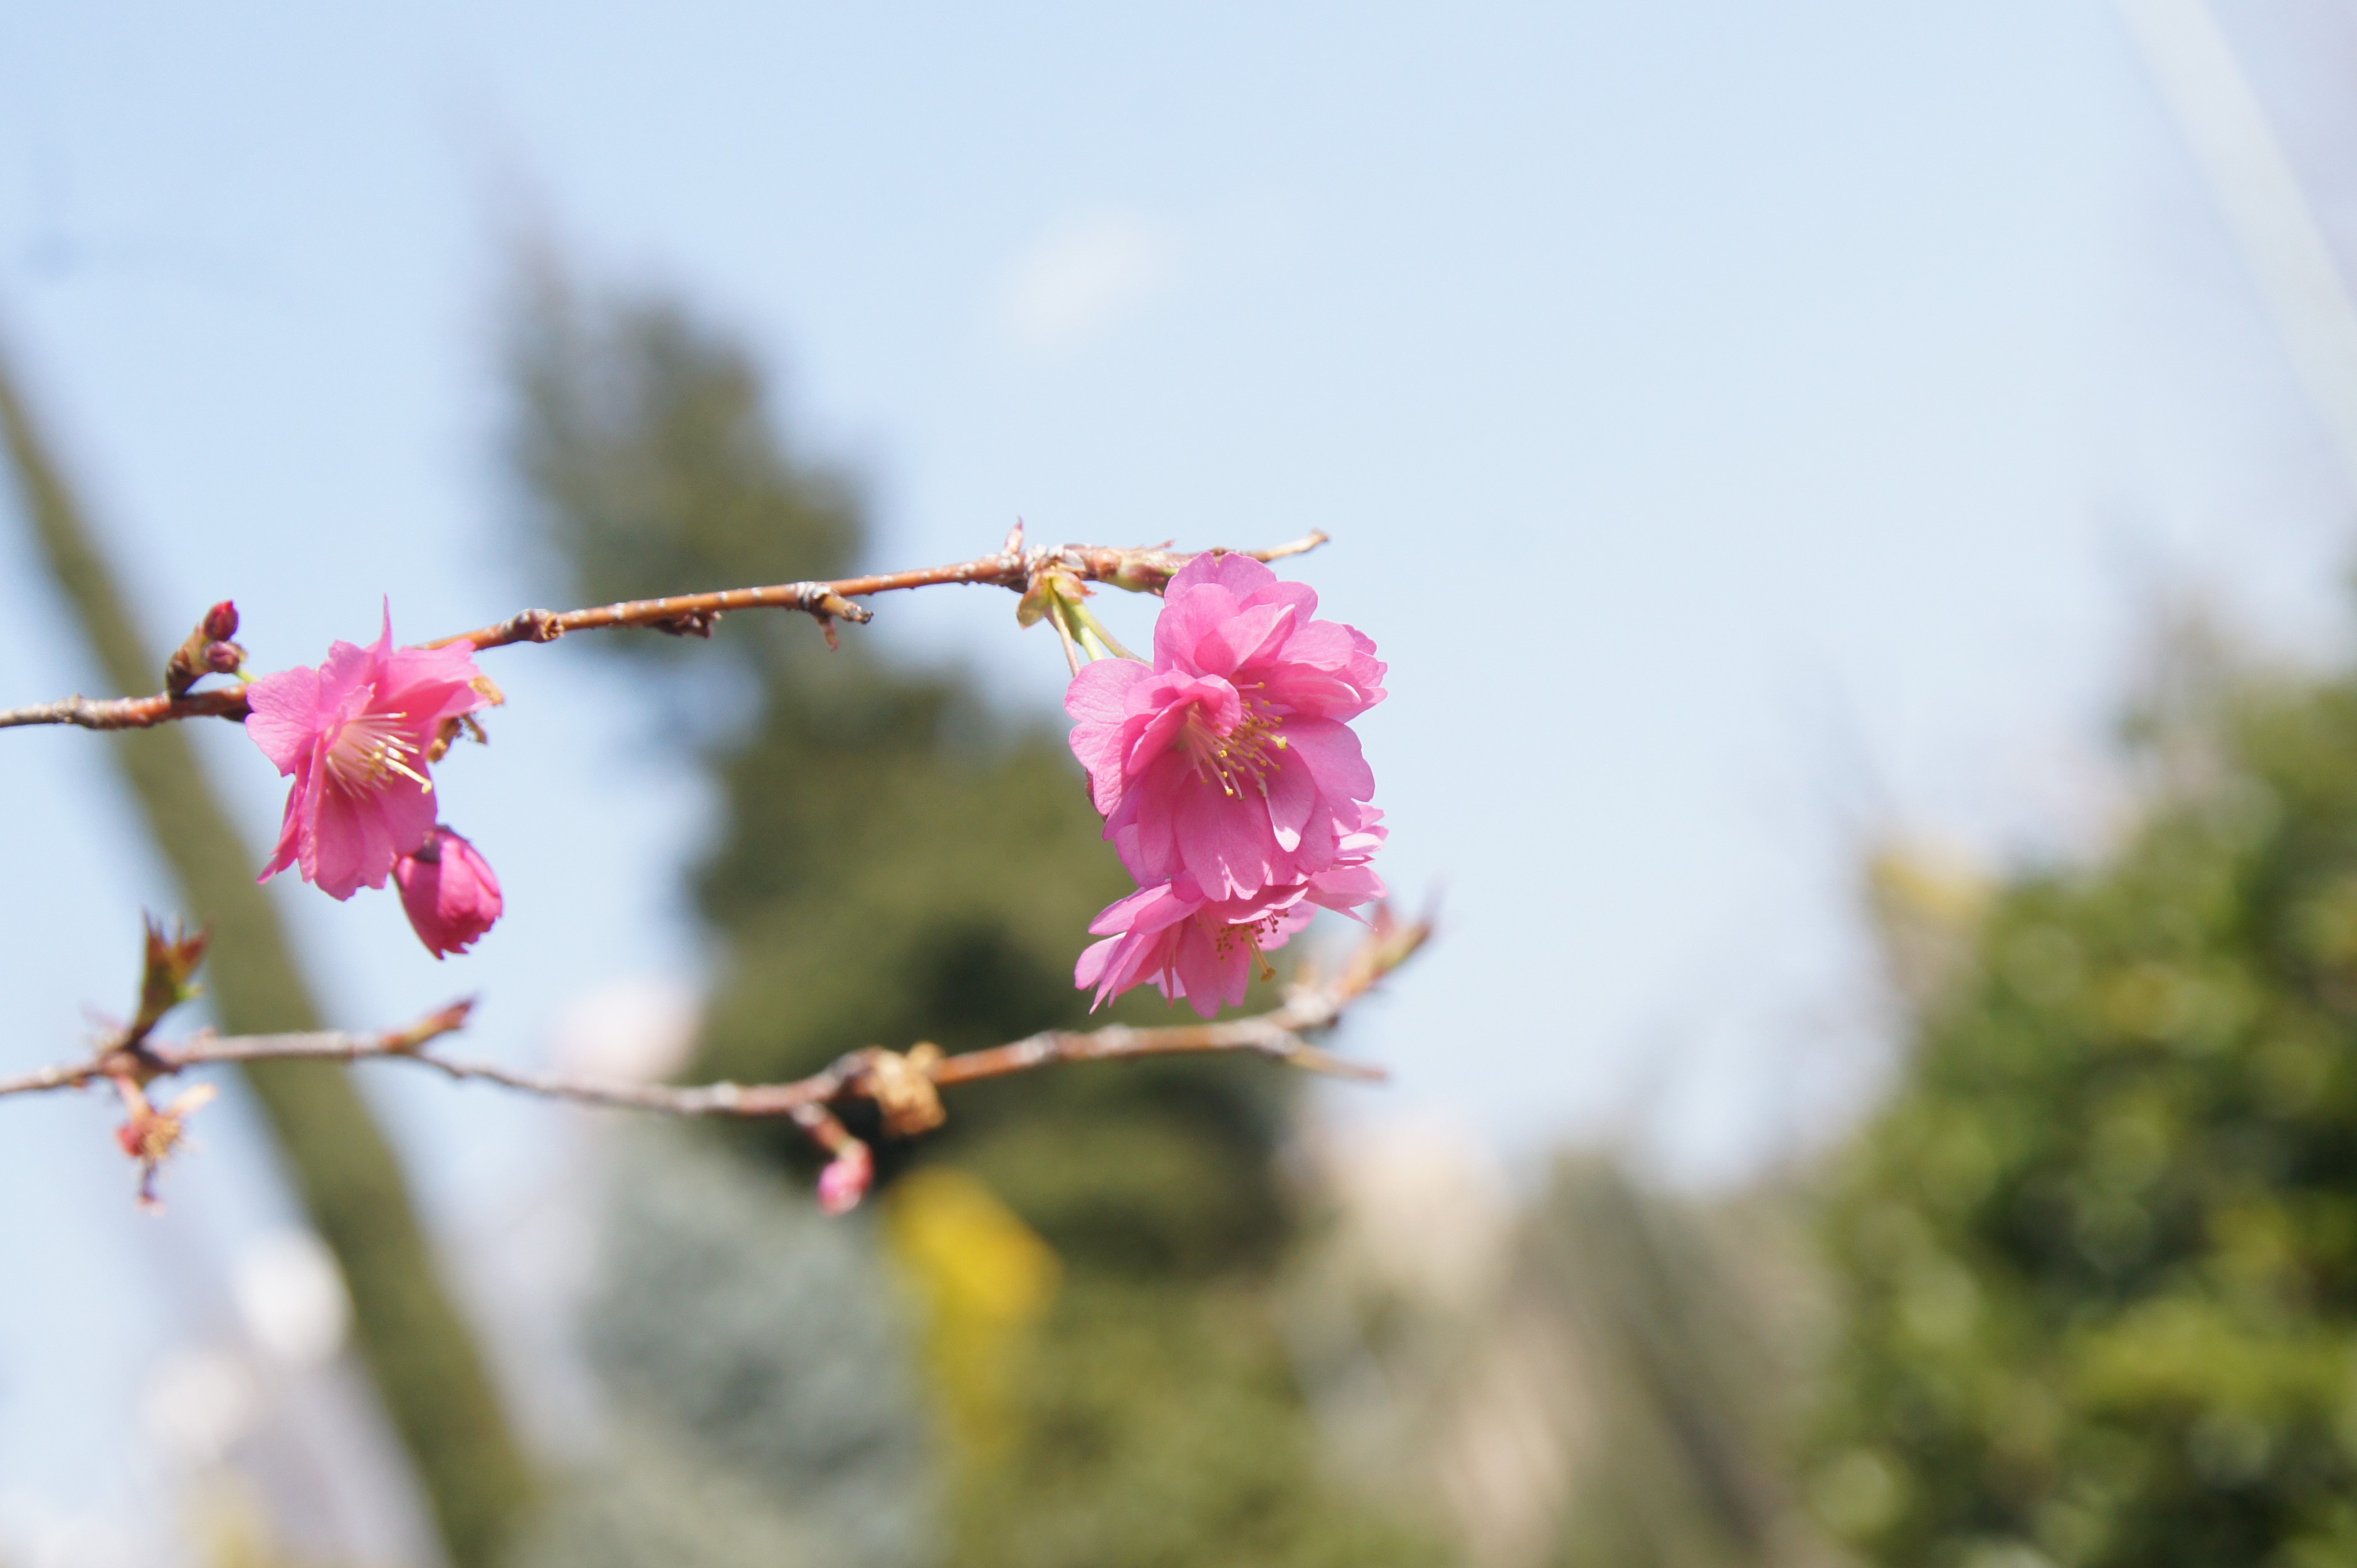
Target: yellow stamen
x,y
1245,753
371,747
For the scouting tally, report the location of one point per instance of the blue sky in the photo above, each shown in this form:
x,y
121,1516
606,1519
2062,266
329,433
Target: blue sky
x,y
1747,430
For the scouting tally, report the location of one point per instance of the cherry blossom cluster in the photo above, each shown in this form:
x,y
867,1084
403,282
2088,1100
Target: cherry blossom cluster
x,y
1231,785
1230,782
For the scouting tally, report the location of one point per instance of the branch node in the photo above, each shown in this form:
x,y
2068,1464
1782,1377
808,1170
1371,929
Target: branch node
x,y
902,1088
691,623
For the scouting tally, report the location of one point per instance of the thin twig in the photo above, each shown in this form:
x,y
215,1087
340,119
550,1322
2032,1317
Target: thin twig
x,y
1145,569
1312,1006
128,712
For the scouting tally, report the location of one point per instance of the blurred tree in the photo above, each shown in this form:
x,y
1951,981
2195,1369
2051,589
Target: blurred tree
x,y
901,863
2100,1252
426,1368
754,1356
1603,1377
1680,1325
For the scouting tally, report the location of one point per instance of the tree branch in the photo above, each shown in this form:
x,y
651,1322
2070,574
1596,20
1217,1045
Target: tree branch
x,y
1145,569
901,1084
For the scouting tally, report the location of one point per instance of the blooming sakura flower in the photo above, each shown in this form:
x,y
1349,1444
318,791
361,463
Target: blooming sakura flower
x,y
448,889
1207,950
354,733
1229,761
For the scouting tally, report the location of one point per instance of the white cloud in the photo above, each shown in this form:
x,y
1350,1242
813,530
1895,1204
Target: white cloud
x,y
1084,276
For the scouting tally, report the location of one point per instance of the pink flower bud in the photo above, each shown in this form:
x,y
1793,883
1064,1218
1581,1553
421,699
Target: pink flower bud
x,y
221,622
450,891
846,1178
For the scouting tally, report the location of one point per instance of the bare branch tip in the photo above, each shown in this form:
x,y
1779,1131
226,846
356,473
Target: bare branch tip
x,y
1309,1059
433,1027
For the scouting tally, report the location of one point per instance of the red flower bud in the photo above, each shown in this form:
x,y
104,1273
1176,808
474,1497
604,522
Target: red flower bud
x,y
846,1178
449,892
221,622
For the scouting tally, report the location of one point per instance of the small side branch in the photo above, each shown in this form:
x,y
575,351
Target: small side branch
x,y
1142,569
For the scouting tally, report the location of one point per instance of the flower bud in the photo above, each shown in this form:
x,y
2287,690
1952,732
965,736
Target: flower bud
x,y
846,1178
201,653
449,892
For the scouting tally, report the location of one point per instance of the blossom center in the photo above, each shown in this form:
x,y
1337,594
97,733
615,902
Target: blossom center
x,y
1248,935
371,748
1243,754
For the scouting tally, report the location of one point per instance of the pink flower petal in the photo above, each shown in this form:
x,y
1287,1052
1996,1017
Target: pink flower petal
x,y
282,719
354,733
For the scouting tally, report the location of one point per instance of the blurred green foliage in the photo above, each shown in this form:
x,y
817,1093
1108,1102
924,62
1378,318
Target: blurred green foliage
x,y
2100,1253
900,861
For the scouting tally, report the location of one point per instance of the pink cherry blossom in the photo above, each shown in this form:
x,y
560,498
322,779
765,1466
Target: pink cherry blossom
x,y
1229,760
354,733
449,892
1207,950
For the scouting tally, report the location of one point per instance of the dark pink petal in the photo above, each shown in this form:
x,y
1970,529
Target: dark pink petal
x,y
1290,924
290,836
1318,674
1208,700
1137,938
1098,699
1209,975
1095,959
303,800
1292,797
343,674
1239,575
1279,591
407,813
1124,914
359,836
1144,745
451,664
285,715
1367,671
1345,887
1243,638
1099,693
335,847
1332,754
1219,842
1139,830
1186,619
